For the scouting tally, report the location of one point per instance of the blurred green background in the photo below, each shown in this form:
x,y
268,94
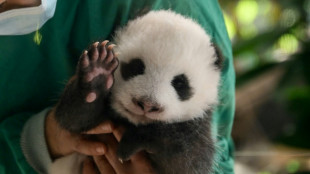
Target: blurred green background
x,y
271,46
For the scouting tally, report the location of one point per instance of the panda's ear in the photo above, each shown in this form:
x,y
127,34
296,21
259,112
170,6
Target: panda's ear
x,y
219,61
140,12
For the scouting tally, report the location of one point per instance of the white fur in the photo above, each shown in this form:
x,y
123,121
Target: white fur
x,y
169,44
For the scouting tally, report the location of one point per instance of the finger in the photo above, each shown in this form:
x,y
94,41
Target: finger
x,y
118,133
88,167
87,147
103,128
103,165
112,157
140,164
141,161
139,157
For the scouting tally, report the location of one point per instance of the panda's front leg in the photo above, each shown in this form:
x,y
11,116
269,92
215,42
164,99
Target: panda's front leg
x,y
86,96
135,140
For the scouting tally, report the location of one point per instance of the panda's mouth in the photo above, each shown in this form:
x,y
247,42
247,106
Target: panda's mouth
x,y
128,111
135,117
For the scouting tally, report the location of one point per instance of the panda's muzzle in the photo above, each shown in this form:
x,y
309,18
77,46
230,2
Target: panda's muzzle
x,y
147,106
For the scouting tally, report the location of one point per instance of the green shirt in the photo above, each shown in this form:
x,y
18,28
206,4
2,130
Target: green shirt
x,y
35,67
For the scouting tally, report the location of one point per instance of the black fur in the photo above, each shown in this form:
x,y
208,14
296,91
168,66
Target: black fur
x,y
219,62
178,148
74,114
133,68
182,87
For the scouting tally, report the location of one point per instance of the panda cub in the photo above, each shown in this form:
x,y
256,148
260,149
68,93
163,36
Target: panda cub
x,y
163,92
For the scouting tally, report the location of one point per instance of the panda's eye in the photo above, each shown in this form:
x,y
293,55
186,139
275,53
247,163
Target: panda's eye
x,y
181,86
133,68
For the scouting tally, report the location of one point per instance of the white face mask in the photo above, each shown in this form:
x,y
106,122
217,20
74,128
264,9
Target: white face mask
x,y
26,20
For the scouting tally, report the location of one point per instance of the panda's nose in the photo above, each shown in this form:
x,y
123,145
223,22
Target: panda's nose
x,y
147,105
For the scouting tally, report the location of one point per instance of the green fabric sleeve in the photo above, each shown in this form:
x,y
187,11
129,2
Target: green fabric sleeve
x,y
36,66
12,159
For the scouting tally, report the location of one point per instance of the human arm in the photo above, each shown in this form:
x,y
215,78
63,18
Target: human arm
x,y
43,141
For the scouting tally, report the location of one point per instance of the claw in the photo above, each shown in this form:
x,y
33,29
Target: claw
x,y
104,43
94,51
120,160
110,55
84,60
110,47
103,51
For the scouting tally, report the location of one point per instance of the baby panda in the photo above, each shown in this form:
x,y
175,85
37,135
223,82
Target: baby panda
x,y
162,87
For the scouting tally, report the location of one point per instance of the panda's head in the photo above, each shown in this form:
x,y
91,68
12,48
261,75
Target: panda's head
x,y
168,69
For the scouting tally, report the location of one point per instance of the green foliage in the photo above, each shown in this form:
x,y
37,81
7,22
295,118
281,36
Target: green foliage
x,y
264,172
268,34
292,166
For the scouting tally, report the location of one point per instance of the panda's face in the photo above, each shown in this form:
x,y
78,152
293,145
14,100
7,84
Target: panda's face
x,y
164,75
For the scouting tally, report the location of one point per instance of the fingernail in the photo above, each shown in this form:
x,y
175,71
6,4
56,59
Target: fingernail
x,y
100,150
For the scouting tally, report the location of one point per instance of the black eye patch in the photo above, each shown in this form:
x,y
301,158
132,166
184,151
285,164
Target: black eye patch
x,y
181,86
133,68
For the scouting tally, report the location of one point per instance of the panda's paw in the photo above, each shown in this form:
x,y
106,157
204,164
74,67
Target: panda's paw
x,y
125,151
96,68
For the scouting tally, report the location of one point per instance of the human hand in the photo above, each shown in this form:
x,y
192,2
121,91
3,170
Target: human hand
x,y
109,163
61,142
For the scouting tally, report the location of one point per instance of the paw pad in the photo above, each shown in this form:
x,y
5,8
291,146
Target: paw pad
x,y
96,68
